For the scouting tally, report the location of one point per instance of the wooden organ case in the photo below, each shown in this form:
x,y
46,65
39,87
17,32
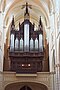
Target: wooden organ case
x,y
26,50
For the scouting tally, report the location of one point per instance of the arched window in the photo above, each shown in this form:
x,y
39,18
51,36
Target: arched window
x,y
31,44
16,43
21,44
36,44
12,42
26,37
40,43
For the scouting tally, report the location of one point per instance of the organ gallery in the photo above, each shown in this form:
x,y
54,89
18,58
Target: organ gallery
x,y
26,51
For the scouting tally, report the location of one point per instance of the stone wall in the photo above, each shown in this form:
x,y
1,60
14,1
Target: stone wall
x,y
40,80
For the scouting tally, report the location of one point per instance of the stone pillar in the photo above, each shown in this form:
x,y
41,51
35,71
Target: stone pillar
x,y
1,81
57,44
51,45
57,77
51,34
58,64
2,41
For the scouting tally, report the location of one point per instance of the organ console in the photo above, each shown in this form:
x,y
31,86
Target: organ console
x,y
26,50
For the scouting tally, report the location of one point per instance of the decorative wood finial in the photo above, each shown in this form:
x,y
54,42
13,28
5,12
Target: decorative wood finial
x,y
13,24
26,6
19,25
40,22
13,21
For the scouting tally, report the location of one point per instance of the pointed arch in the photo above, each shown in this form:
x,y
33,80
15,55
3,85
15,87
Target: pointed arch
x,y
25,88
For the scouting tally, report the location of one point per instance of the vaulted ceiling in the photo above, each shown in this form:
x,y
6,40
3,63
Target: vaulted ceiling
x,y
39,8
14,7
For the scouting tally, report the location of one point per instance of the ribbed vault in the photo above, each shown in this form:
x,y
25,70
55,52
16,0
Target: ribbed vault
x,y
14,7
39,7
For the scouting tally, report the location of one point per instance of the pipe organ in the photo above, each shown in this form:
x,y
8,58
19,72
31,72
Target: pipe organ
x,y
26,50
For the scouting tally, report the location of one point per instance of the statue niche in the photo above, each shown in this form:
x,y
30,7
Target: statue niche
x,y
26,50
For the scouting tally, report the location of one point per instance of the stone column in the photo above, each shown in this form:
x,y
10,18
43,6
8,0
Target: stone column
x,y
2,41
57,77
51,34
52,45
58,64
57,10
1,81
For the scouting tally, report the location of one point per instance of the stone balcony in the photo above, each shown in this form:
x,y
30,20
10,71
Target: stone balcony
x,y
45,78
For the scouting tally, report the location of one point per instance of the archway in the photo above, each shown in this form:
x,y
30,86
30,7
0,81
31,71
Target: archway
x,y
25,88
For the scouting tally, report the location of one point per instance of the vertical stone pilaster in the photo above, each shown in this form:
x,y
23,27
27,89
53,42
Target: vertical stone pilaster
x,y
51,34
2,41
1,82
58,77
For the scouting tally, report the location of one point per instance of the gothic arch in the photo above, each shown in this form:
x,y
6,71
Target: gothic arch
x,y
26,86
39,6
